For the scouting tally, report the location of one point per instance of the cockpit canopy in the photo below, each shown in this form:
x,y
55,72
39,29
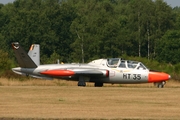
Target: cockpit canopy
x,y
119,63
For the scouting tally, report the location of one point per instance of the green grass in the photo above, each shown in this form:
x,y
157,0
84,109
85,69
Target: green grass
x,y
53,102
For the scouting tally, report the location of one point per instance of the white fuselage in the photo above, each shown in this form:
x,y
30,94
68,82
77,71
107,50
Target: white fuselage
x,y
116,74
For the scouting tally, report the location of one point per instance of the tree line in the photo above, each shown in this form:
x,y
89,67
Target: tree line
x,y
83,30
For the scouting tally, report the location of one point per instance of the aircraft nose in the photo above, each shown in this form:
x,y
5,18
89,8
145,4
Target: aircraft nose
x,y
158,76
169,76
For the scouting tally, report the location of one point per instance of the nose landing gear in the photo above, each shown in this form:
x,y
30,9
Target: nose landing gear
x,y
160,84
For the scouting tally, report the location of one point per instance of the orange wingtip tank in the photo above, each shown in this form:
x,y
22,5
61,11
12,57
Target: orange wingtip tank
x,y
158,76
58,73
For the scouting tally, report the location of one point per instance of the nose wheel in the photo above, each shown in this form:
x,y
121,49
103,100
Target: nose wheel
x,y
160,84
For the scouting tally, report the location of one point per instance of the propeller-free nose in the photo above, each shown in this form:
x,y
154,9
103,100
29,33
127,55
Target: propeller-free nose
x,y
158,76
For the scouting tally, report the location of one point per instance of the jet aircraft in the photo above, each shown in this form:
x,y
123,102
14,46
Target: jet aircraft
x,y
111,70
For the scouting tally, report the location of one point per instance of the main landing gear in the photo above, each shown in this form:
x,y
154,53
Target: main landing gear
x,y
160,84
82,82
98,84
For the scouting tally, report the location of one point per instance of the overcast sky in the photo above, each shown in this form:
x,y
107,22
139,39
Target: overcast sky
x,y
172,3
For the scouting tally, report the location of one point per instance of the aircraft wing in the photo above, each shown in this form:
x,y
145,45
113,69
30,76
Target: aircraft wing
x,y
80,72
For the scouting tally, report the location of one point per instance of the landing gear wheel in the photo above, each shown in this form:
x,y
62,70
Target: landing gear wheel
x,y
27,75
98,84
81,82
160,84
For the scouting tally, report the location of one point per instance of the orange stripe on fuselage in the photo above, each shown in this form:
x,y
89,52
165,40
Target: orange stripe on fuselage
x,y
158,76
58,73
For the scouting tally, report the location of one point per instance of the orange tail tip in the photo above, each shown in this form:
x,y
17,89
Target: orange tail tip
x,y
158,76
58,73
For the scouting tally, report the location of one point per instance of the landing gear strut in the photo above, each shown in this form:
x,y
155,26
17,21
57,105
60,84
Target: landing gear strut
x,y
160,84
81,82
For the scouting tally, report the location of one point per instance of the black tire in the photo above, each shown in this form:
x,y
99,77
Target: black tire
x,y
98,84
160,85
81,84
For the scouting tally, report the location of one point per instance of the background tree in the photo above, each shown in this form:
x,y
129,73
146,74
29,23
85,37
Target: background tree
x,y
79,31
169,48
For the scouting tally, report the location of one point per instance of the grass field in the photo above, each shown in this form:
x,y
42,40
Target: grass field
x,y
39,99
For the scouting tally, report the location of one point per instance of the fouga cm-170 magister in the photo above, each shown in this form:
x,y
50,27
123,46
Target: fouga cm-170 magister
x,y
112,70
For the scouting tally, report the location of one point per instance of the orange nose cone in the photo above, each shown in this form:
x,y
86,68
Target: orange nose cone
x,y
158,76
58,73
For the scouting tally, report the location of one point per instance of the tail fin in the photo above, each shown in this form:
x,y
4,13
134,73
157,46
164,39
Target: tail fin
x,y
34,53
22,57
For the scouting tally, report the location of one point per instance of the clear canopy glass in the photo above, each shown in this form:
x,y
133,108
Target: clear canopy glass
x,y
119,63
